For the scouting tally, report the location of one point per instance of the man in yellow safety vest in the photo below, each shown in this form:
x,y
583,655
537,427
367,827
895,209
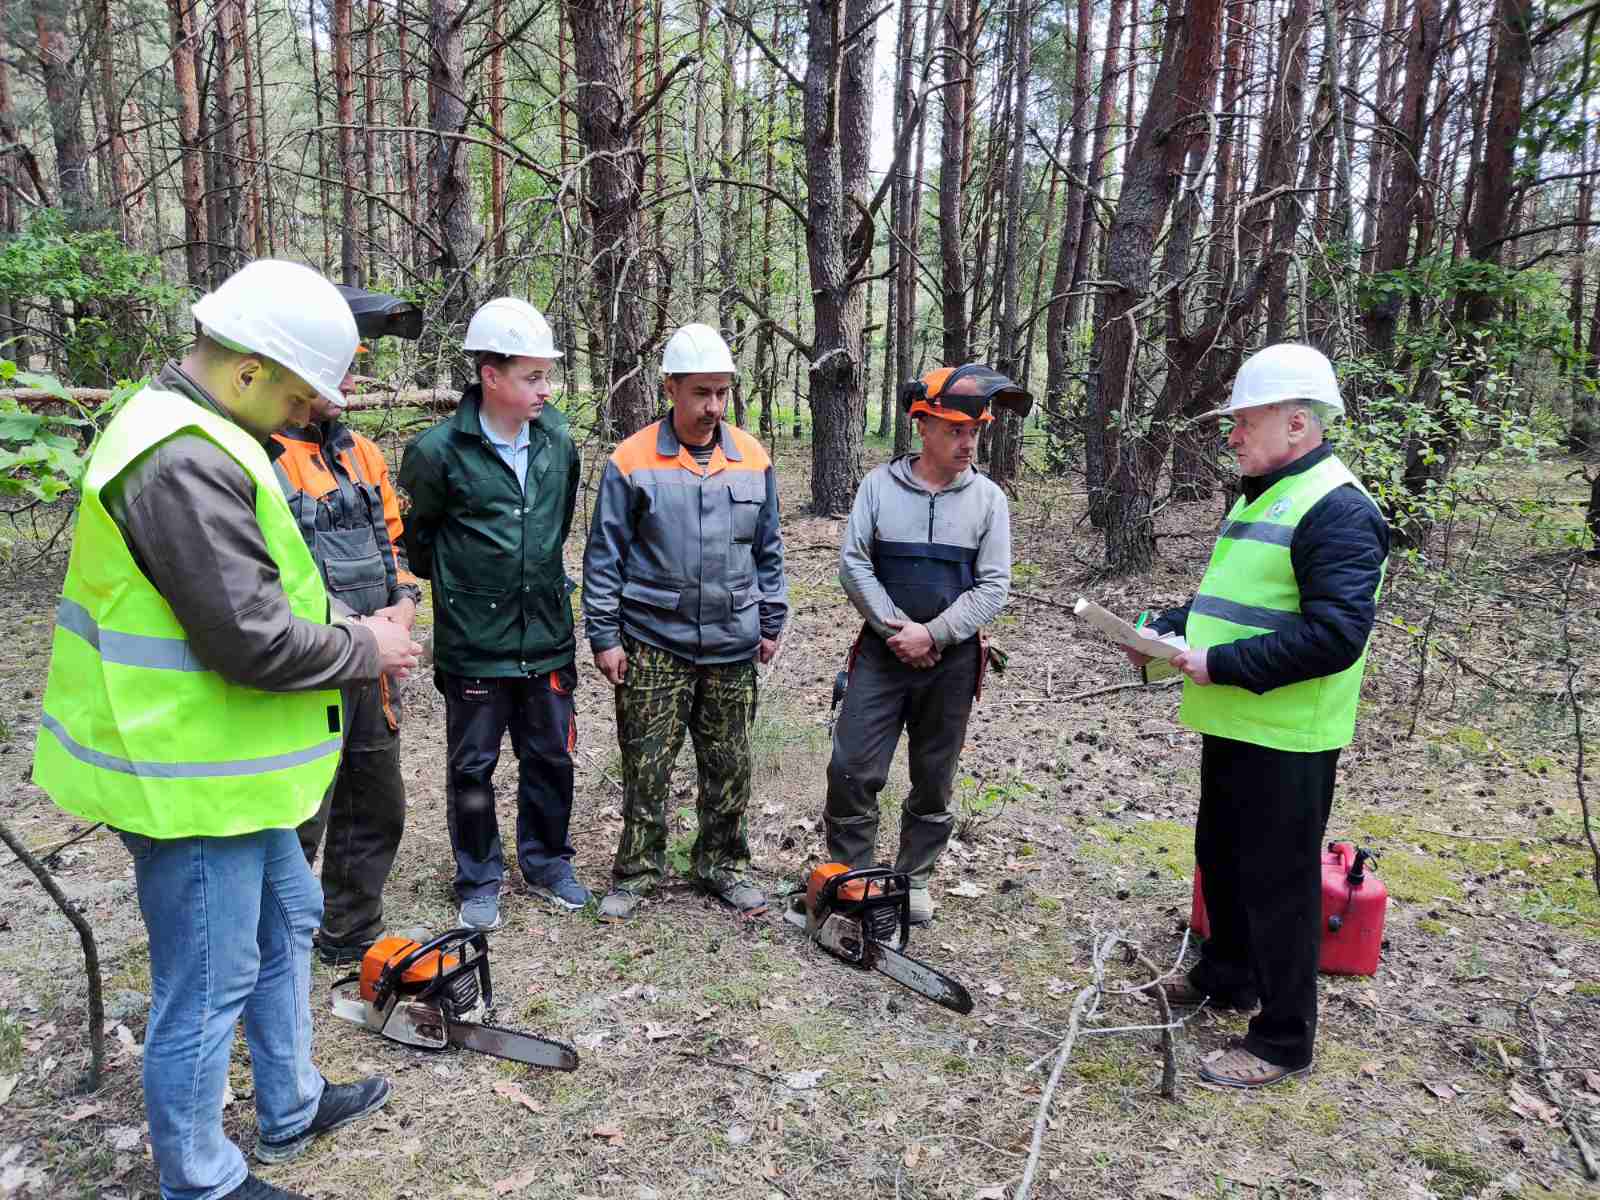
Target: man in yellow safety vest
x,y
193,706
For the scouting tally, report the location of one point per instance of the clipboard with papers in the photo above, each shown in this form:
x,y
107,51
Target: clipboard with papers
x,y
1162,648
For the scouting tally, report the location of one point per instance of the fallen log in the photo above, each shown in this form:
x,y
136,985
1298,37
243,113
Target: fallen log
x,y
432,399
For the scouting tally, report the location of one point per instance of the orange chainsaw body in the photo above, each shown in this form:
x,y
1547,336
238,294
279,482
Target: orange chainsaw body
x,y
391,950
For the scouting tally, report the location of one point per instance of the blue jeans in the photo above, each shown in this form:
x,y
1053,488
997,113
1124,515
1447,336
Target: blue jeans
x,y
201,899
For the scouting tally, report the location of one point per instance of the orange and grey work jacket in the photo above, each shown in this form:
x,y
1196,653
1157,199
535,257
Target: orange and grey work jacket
x,y
684,557
337,485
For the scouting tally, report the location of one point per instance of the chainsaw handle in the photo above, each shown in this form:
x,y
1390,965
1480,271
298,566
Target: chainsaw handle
x,y
895,889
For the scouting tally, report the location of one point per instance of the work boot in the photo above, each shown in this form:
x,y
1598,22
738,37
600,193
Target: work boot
x,y
740,894
619,905
480,912
341,954
561,888
1183,994
921,906
259,1189
340,1104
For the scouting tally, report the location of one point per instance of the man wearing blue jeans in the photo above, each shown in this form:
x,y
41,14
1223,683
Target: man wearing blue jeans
x,y
193,705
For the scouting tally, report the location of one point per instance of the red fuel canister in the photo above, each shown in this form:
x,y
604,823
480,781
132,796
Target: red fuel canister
x,y
1353,907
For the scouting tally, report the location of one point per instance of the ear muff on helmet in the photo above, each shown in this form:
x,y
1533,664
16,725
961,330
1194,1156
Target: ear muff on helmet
x,y
911,392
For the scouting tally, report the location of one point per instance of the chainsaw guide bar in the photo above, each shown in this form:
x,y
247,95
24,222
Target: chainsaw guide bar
x,y
856,915
435,994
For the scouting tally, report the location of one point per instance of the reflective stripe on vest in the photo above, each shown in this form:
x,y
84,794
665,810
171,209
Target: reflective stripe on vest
x,y
1249,589
136,731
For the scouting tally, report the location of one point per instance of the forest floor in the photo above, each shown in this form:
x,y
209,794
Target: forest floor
x,y
723,1059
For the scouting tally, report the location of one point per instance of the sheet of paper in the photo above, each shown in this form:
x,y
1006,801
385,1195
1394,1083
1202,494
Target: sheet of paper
x,y
1124,634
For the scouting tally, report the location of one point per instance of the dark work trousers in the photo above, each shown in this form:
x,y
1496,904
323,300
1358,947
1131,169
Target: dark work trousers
x,y
537,710
364,813
1258,841
933,706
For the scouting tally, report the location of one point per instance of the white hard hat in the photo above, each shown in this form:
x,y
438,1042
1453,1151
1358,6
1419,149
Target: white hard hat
x,y
697,350
1287,371
507,325
288,313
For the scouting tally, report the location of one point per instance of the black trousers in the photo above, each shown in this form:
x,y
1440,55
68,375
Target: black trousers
x,y
537,710
1258,842
364,814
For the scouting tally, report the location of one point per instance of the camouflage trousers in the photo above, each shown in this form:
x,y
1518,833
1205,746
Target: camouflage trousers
x,y
661,697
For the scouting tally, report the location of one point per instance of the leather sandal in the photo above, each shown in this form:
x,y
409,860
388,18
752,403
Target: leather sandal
x,y
1183,994
1238,1068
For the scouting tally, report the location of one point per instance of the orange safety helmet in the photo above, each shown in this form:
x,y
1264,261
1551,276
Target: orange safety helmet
x,y
934,395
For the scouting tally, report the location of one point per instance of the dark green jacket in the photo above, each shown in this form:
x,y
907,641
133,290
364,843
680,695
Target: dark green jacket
x,y
492,549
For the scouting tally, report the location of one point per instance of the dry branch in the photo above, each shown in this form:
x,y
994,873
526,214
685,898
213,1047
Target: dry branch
x,y
1542,1069
91,955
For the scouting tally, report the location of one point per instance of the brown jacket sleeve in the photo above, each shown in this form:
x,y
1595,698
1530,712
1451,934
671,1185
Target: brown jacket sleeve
x,y
188,512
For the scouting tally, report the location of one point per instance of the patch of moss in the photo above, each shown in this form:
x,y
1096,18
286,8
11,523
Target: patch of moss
x,y
10,1045
1166,846
1455,1175
733,994
1587,989
1429,926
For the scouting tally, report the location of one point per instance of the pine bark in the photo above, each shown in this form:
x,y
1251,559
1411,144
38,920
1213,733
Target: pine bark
x,y
196,259
455,234
64,98
607,125
1154,170
952,160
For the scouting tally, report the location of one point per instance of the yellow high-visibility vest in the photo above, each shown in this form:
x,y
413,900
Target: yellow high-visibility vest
x,y
136,732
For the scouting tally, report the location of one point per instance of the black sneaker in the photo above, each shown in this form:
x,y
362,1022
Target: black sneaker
x,y
258,1189
340,1104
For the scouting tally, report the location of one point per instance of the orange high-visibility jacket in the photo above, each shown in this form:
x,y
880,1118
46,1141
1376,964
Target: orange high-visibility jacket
x,y
337,485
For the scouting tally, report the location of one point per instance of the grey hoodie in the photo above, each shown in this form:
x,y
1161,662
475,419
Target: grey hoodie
x,y
892,505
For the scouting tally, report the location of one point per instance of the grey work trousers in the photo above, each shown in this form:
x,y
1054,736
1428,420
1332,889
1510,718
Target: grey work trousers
x,y
933,706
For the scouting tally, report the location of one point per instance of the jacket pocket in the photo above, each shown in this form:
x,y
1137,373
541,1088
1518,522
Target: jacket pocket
x,y
747,492
652,595
353,567
481,619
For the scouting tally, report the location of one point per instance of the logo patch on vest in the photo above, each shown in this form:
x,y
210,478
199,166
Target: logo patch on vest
x,y
1278,509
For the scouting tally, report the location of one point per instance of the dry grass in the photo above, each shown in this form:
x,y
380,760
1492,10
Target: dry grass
x,y
688,1022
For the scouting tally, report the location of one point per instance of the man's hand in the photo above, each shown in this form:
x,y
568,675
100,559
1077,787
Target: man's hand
x,y
914,646
1193,664
397,653
403,614
613,664
1137,659
767,650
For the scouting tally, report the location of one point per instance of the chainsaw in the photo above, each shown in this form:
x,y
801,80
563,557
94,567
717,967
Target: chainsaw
x,y
864,918
435,994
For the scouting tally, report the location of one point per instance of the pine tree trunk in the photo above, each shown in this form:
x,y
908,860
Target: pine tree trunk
x,y
952,157
116,144
322,141
181,13
63,96
1154,170
837,116
449,182
612,194
238,19
373,52
344,89
1006,455
497,126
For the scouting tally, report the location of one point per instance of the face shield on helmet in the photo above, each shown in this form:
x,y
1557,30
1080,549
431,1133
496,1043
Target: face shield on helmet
x,y
966,393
